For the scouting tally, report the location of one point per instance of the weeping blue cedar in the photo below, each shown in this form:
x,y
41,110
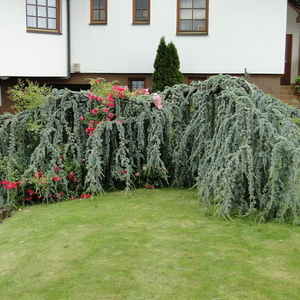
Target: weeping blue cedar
x,y
237,145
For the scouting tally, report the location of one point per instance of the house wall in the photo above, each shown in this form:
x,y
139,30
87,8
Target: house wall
x,y
242,34
30,54
293,28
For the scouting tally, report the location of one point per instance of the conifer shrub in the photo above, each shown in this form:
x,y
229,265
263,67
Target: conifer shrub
x,y
237,145
166,67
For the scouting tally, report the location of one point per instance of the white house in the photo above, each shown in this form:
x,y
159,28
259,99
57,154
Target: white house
x,y
63,42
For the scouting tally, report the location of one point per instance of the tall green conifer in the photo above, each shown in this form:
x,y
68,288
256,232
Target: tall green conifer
x,y
174,76
160,67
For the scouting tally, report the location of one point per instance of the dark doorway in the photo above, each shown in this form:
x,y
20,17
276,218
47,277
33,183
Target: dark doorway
x,y
286,77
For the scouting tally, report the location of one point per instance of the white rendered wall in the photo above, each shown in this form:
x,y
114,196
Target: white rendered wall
x,y
29,54
242,34
293,28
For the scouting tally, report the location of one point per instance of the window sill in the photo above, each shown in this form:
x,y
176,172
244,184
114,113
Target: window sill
x,y
141,23
98,23
44,31
191,33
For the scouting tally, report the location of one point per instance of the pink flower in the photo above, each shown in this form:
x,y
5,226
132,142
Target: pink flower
x,y
90,96
57,168
159,106
81,118
107,119
105,109
31,192
60,194
56,178
94,111
111,115
75,180
123,171
111,104
74,197
91,122
83,159
137,174
144,168
120,121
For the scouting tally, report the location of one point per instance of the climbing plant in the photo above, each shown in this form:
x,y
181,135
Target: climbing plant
x,y
237,145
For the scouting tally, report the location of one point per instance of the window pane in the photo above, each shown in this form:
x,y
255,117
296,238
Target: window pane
x,y
186,14
145,14
31,22
102,4
96,15
31,1
31,10
139,4
199,25
186,3
96,4
42,11
186,25
41,2
199,13
52,23
102,15
145,3
52,3
52,12
199,3
42,23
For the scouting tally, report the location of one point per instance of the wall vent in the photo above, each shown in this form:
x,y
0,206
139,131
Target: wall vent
x,y
76,67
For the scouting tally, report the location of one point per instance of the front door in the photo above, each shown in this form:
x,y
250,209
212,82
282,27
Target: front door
x,y
286,77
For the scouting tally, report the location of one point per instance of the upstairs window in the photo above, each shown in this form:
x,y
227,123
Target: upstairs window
x,y
141,11
192,17
43,15
98,11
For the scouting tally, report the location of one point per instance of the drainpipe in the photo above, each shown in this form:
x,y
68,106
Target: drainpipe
x,y
68,40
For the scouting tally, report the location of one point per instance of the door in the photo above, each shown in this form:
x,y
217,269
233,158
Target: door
x,y
286,77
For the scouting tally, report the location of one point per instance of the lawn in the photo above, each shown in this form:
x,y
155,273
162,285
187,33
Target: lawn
x,y
148,244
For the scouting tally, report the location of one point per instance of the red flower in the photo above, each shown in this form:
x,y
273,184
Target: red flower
x,y
39,175
81,118
123,171
107,119
71,175
111,115
105,109
149,186
111,104
28,199
56,178
75,180
90,96
57,168
84,196
31,192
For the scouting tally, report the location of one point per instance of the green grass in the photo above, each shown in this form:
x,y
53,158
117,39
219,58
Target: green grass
x,y
152,244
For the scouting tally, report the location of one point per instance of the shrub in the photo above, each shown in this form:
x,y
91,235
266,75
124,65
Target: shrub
x,y
27,95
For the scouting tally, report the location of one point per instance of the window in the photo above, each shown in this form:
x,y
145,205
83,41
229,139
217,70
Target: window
x,y
98,11
192,17
136,83
43,15
196,79
141,11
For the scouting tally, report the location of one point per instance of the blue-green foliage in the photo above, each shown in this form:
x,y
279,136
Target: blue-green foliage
x,y
237,145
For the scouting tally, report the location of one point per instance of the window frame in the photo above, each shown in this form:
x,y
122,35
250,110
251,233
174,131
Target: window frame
x,y
192,32
45,30
98,22
134,14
